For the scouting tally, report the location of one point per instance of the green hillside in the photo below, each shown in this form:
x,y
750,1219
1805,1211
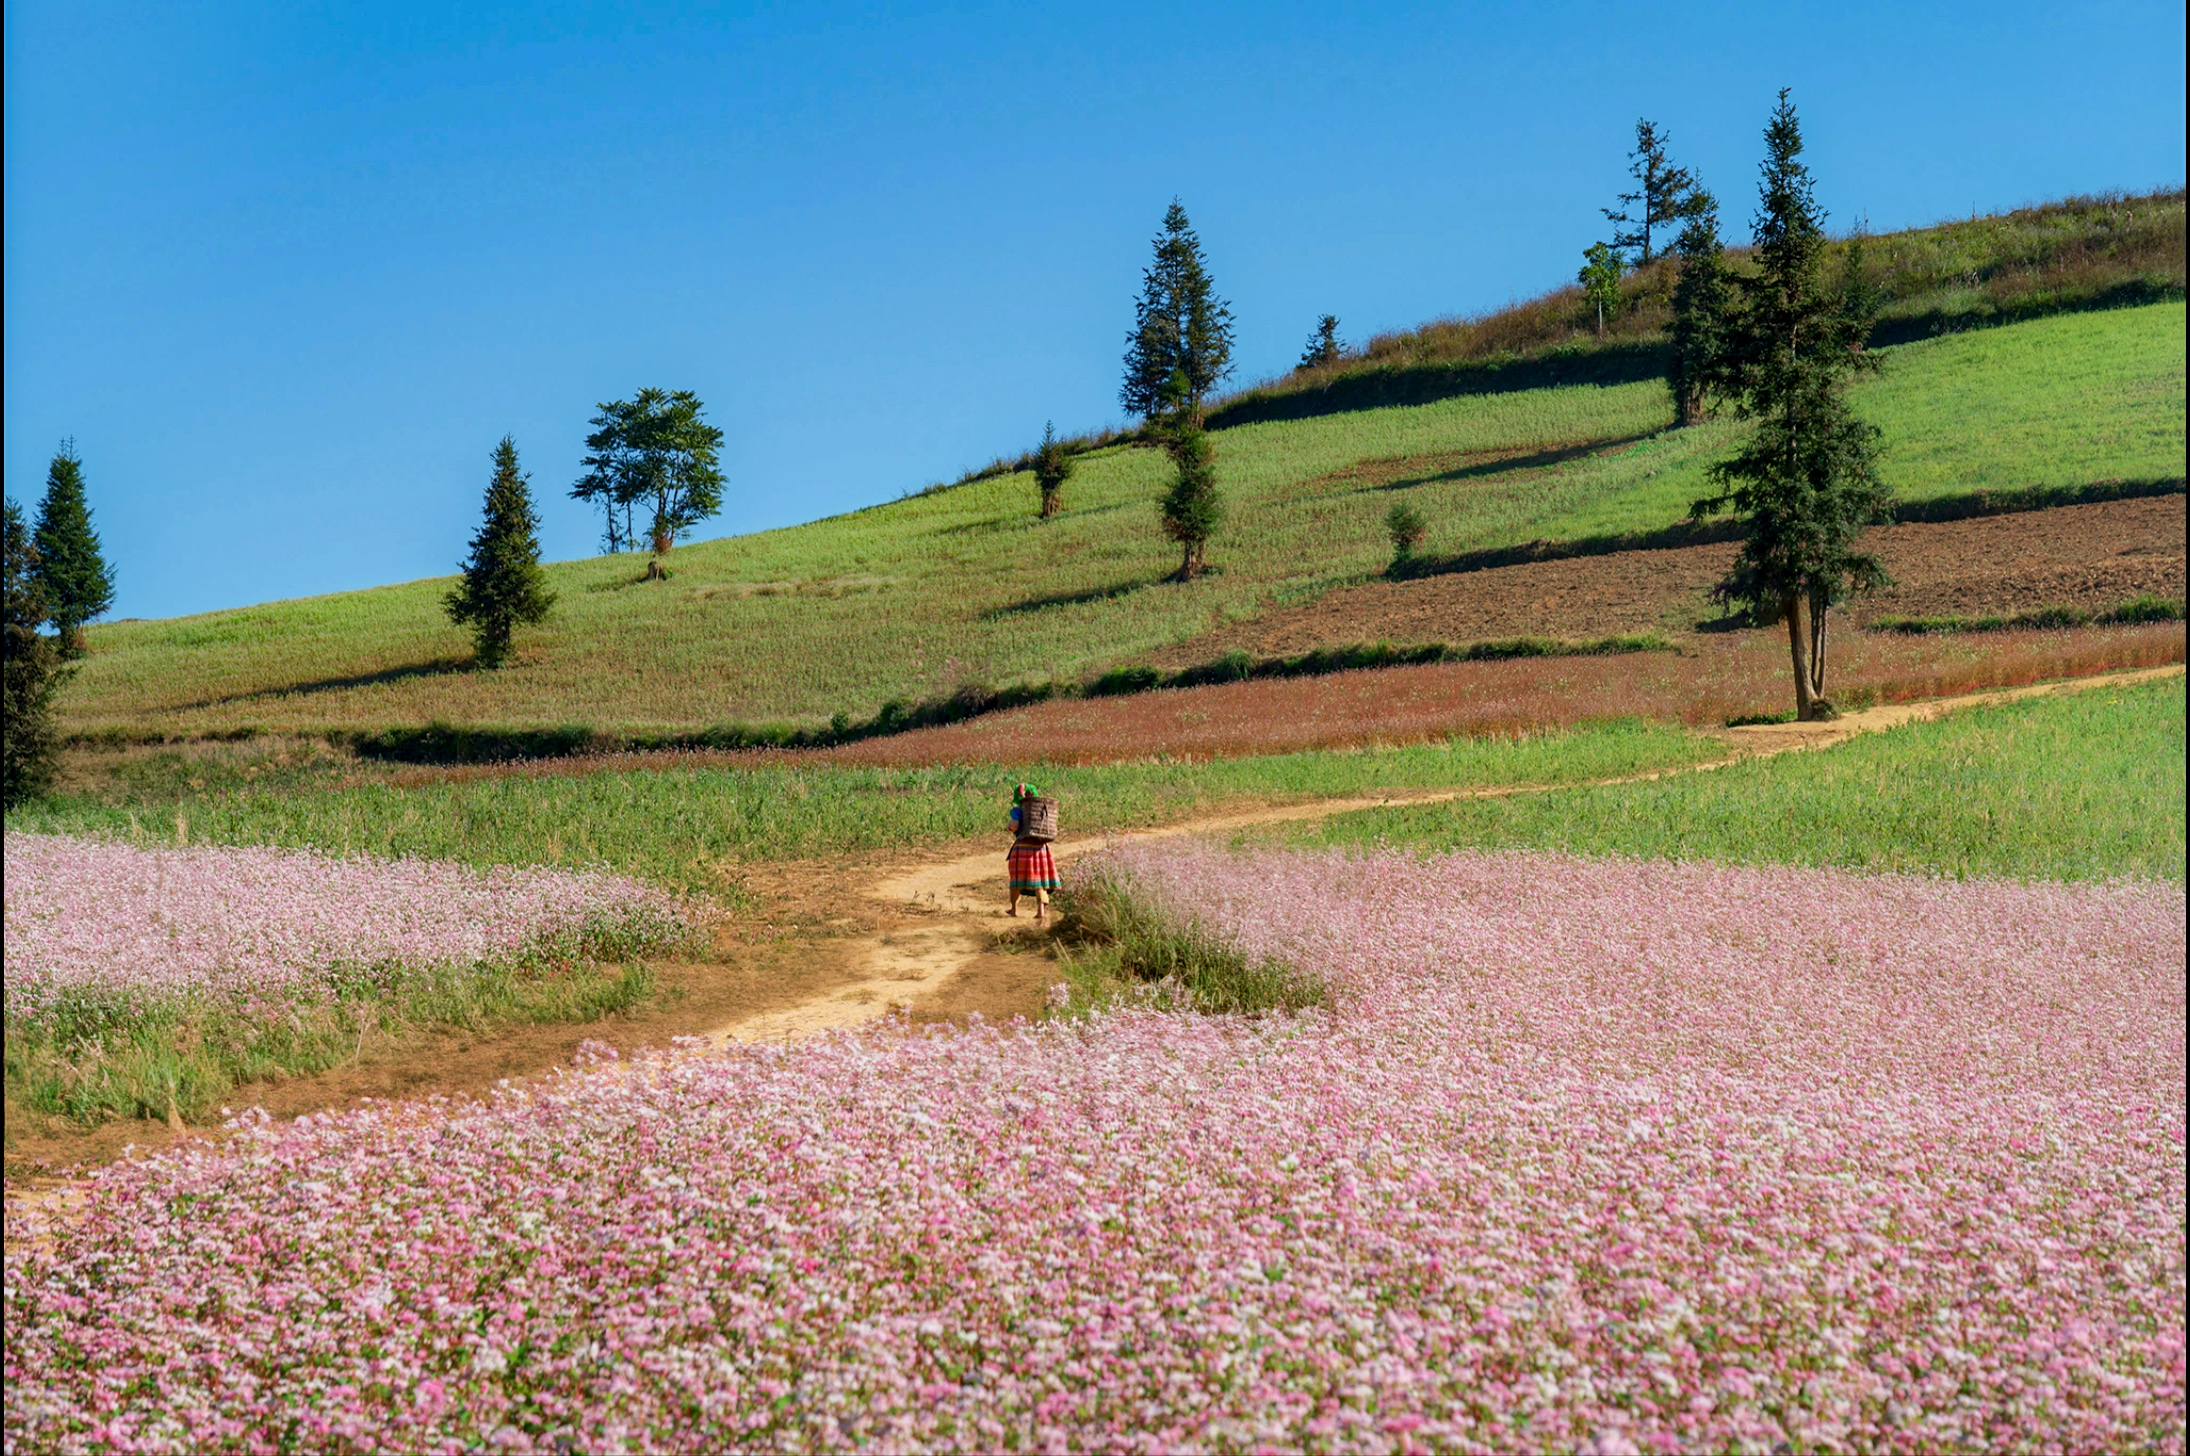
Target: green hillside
x,y
963,585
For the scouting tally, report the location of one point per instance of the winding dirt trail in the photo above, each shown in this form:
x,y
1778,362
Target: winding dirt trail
x,y
961,899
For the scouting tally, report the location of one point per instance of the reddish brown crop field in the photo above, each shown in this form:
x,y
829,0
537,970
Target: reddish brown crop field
x,y
1711,678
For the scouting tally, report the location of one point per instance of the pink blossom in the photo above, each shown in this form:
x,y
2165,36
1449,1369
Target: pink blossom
x,y
1585,1155
268,925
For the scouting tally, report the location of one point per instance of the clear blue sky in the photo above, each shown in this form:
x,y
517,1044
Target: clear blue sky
x,y
286,272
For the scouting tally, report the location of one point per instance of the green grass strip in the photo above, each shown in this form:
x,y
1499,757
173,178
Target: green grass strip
x,y
2080,786
689,826
2146,608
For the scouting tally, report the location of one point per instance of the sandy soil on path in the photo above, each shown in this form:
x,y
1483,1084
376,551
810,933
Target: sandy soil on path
x,y
926,938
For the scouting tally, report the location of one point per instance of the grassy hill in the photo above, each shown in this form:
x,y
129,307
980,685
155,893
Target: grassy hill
x,y
964,586
2077,254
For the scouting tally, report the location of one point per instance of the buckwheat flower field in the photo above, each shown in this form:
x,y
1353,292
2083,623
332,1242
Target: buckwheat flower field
x,y
1585,1154
268,926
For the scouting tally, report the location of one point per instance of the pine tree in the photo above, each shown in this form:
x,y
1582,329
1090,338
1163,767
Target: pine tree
x,y
1323,345
1193,508
1602,268
1806,485
30,670
1179,324
1701,299
1860,296
77,582
503,586
1660,188
1052,468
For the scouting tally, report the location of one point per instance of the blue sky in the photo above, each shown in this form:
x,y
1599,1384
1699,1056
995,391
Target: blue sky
x,y
287,272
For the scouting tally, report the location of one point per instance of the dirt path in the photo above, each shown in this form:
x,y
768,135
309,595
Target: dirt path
x,y
961,899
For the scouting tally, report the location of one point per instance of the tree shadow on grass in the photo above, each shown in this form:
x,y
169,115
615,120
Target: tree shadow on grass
x,y
1479,469
1071,599
439,667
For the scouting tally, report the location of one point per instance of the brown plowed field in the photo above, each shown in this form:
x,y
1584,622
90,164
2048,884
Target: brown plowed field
x,y
2094,556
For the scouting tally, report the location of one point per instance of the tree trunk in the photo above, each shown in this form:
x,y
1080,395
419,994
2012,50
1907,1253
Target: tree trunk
x,y
1798,643
1818,609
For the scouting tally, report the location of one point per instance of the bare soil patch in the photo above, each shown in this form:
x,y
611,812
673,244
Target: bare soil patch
x,y
2091,556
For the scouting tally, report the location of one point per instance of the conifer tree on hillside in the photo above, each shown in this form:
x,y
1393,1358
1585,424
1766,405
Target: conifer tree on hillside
x,y
503,586
77,582
652,457
1179,324
1660,188
1323,345
1860,296
1193,508
1806,485
1052,468
1697,367
30,670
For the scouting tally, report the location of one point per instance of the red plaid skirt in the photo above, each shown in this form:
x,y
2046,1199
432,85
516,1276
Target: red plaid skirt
x,y
1032,867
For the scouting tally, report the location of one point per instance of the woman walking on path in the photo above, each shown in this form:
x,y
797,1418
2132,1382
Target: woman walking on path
x,y
1031,868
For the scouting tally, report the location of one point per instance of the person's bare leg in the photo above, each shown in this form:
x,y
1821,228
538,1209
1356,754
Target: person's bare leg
x,y
1013,912
1041,905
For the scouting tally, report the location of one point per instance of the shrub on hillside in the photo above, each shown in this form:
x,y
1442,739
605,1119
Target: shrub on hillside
x,y
1406,527
1052,468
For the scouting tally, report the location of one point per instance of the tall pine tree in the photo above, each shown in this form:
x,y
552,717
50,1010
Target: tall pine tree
x,y
1806,485
78,584
503,586
1179,325
1660,188
30,670
1697,367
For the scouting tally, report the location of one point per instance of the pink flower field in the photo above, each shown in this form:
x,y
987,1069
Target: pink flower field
x,y
1602,1155
269,925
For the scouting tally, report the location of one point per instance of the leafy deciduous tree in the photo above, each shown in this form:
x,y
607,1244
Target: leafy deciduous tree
x,y
1660,188
1602,268
1180,326
503,586
78,584
1806,485
1323,345
1701,299
652,453
1052,468
30,670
